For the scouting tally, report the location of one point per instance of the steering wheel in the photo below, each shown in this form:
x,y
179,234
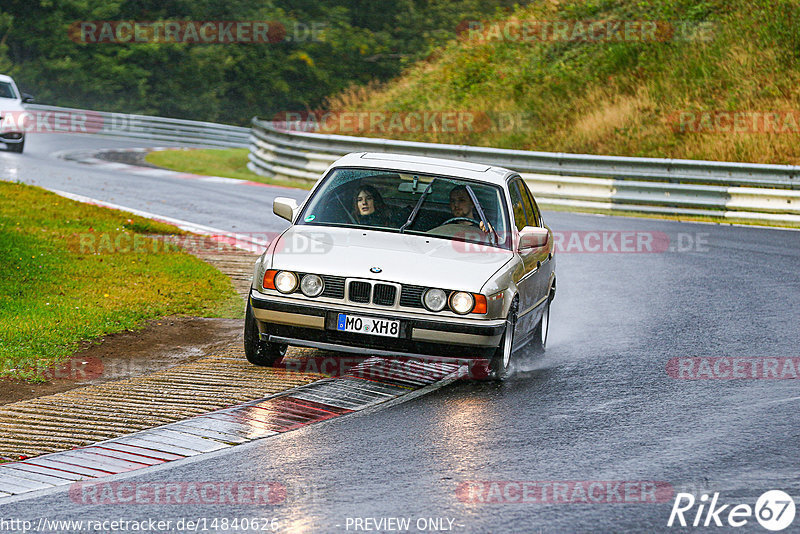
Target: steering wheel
x,y
459,219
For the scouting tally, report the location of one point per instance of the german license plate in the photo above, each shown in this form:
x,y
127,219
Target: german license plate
x,y
367,325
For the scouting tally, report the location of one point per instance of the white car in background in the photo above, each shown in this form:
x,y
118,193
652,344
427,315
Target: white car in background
x,y
11,101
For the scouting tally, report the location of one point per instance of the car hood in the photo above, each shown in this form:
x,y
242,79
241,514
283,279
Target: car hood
x,y
403,258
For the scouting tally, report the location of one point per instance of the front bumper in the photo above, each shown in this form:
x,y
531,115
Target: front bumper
x,y
12,138
314,325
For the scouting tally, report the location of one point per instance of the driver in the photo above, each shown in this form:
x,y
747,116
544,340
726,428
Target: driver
x,y
461,206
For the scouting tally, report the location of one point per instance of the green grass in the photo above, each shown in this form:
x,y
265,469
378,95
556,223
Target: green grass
x,y
73,272
228,162
614,98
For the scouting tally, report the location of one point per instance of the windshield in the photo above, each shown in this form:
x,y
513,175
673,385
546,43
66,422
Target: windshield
x,y
391,201
7,90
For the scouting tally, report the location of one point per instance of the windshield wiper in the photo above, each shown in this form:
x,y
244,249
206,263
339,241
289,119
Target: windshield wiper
x,y
417,206
484,220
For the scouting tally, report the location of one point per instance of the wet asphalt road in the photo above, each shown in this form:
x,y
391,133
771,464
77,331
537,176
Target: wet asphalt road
x,y
240,208
598,406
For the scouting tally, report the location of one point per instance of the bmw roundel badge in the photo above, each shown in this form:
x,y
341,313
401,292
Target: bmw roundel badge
x,y
375,270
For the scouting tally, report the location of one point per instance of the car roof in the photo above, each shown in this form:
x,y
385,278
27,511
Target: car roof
x,y
5,78
426,165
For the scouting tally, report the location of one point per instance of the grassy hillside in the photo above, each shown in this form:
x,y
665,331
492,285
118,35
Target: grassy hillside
x,y
621,97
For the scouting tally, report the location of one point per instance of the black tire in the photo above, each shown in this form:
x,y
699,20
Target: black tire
x,y
540,332
18,148
261,353
501,361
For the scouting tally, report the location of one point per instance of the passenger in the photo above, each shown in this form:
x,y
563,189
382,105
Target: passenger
x,y
369,207
461,206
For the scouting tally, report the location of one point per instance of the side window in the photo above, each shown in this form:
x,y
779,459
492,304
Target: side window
x,y
531,209
536,210
517,204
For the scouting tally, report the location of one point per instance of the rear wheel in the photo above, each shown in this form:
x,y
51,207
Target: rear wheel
x,y
260,352
540,333
501,360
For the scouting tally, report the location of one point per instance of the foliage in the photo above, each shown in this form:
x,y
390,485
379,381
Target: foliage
x,y
357,41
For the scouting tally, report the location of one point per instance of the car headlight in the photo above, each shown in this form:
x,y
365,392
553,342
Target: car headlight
x,y
311,285
285,281
461,302
434,299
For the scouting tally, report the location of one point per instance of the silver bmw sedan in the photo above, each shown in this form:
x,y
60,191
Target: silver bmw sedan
x,y
403,256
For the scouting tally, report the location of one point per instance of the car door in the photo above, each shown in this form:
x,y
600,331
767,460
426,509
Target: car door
x,y
527,284
540,256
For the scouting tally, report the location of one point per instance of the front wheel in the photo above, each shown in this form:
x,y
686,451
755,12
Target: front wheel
x,y
501,361
259,352
18,148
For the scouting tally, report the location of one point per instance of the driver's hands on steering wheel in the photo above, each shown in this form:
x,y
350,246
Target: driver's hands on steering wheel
x,y
473,222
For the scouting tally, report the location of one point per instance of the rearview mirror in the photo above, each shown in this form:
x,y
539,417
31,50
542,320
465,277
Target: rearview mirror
x,y
26,98
284,208
532,237
413,188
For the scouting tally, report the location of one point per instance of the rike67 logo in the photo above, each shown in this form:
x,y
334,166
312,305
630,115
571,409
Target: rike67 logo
x,y
774,510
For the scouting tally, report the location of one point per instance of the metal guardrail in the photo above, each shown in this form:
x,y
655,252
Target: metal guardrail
x,y
758,192
138,126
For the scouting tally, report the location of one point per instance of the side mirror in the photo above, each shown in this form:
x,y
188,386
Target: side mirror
x,y
284,208
532,237
27,99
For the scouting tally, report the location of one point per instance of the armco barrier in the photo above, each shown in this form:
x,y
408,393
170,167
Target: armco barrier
x,y
148,127
757,192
